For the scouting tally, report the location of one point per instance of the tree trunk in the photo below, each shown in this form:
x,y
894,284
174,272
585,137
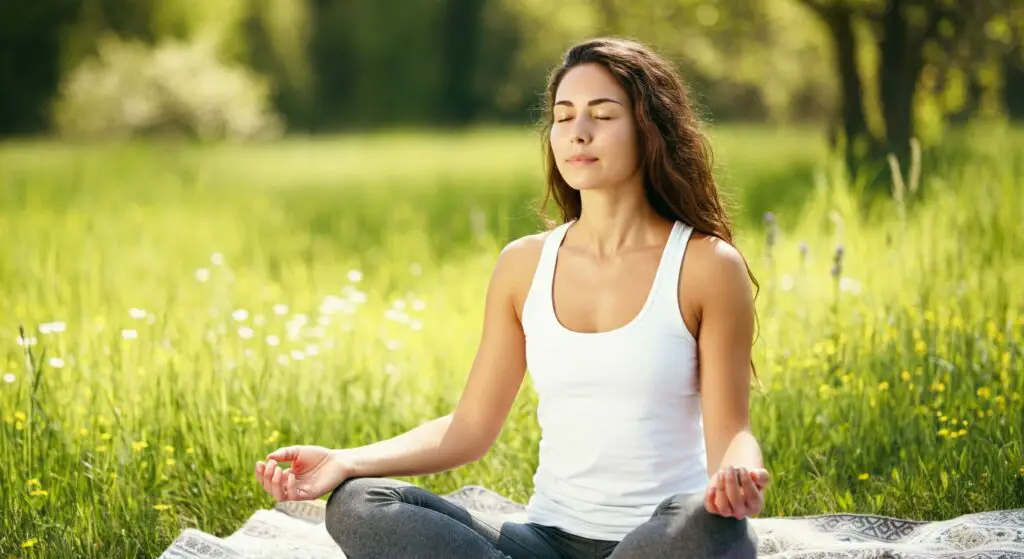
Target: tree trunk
x,y
460,44
855,127
1013,91
899,70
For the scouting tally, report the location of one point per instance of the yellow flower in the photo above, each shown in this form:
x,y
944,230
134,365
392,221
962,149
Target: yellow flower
x,y
39,493
272,438
981,413
920,347
169,449
863,476
113,475
961,432
938,387
190,450
105,436
20,416
942,419
1000,400
989,413
943,432
965,423
984,392
102,448
34,482
905,375
161,508
1022,470
139,446
29,543
171,462
883,386
83,432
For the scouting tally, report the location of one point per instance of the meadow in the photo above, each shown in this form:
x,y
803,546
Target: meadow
x,y
188,308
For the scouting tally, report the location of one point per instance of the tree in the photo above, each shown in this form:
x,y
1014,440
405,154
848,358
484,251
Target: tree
x,y
910,35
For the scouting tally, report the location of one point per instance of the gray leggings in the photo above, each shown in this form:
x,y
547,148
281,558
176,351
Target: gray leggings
x,y
386,518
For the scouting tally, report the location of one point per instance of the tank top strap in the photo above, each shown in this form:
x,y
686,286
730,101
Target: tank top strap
x,y
542,285
671,267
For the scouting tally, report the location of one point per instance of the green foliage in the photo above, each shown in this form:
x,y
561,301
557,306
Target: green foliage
x,y
892,385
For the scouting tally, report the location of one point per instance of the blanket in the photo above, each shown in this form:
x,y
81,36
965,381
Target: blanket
x,y
296,529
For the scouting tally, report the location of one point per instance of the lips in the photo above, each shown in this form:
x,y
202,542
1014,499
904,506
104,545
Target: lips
x,y
581,159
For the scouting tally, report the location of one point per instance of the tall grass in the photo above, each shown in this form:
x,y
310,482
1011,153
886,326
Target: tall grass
x,y
187,309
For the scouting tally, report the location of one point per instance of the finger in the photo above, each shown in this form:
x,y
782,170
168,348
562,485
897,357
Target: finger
x,y
721,499
709,500
290,486
764,479
732,491
275,485
751,494
284,454
259,469
268,475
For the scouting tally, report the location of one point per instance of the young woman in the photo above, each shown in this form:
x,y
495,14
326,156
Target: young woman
x,y
640,358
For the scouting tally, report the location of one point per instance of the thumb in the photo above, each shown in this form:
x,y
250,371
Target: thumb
x,y
284,454
762,478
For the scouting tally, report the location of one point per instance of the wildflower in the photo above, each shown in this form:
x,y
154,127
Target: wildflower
x,y
52,327
282,360
355,276
27,342
171,462
245,332
9,378
161,508
56,362
920,347
240,315
961,432
29,543
273,340
415,269
905,375
202,275
938,387
984,392
169,449
83,432
943,432
416,325
20,416
105,436
280,309
39,493
883,386
139,446
129,334
272,438
298,355
863,476
33,482
942,419
102,448
137,314
217,259
190,450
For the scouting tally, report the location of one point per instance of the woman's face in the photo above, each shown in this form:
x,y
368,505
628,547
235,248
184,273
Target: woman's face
x,y
593,136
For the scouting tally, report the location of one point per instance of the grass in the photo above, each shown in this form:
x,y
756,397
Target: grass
x,y
188,309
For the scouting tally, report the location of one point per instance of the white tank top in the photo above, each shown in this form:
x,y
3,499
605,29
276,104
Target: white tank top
x,y
619,411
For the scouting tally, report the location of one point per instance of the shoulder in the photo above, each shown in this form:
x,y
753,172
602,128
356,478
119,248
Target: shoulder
x,y
715,271
516,265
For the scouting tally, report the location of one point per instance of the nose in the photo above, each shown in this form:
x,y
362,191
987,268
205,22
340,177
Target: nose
x,y
580,133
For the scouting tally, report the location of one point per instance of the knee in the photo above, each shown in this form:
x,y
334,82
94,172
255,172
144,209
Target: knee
x,y
349,509
715,536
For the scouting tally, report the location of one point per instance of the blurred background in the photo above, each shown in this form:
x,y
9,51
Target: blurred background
x,y
883,70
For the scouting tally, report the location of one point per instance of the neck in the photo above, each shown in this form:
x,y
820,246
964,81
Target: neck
x,y
618,220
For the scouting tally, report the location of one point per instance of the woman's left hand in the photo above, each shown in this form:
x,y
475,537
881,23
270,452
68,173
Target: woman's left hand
x,y
736,492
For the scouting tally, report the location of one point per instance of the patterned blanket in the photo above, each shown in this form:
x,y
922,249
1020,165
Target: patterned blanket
x,y
296,529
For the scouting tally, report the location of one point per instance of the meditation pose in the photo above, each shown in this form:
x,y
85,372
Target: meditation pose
x,y
634,316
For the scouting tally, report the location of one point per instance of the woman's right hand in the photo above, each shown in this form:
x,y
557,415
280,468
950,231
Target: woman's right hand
x,y
314,471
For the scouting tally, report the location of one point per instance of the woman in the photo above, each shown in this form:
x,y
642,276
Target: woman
x,y
641,361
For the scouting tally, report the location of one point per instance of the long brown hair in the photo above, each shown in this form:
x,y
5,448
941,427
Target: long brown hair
x,y
676,155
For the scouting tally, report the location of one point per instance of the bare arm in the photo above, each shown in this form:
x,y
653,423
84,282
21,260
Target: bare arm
x,y
724,345
466,434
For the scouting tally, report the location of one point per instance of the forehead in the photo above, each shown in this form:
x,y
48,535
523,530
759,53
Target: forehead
x,y
589,81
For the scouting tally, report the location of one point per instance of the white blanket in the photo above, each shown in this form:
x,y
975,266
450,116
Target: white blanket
x,y
296,529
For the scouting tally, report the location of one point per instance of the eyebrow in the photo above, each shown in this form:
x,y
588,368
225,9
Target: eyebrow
x,y
590,103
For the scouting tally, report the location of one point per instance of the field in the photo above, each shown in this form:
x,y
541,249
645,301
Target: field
x,y
189,308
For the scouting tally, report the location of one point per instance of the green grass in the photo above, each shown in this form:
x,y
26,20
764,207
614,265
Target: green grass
x,y
894,389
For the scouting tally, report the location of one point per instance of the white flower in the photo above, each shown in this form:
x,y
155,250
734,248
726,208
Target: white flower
x,y
245,332
280,309
355,276
202,275
392,345
240,315
52,327
416,325
137,314
357,297
396,316
9,378
398,304
312,350
217,259
27,342
419,304
129,334
273,340
282,360
849,285
324,321
415,269
298,355
56,362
